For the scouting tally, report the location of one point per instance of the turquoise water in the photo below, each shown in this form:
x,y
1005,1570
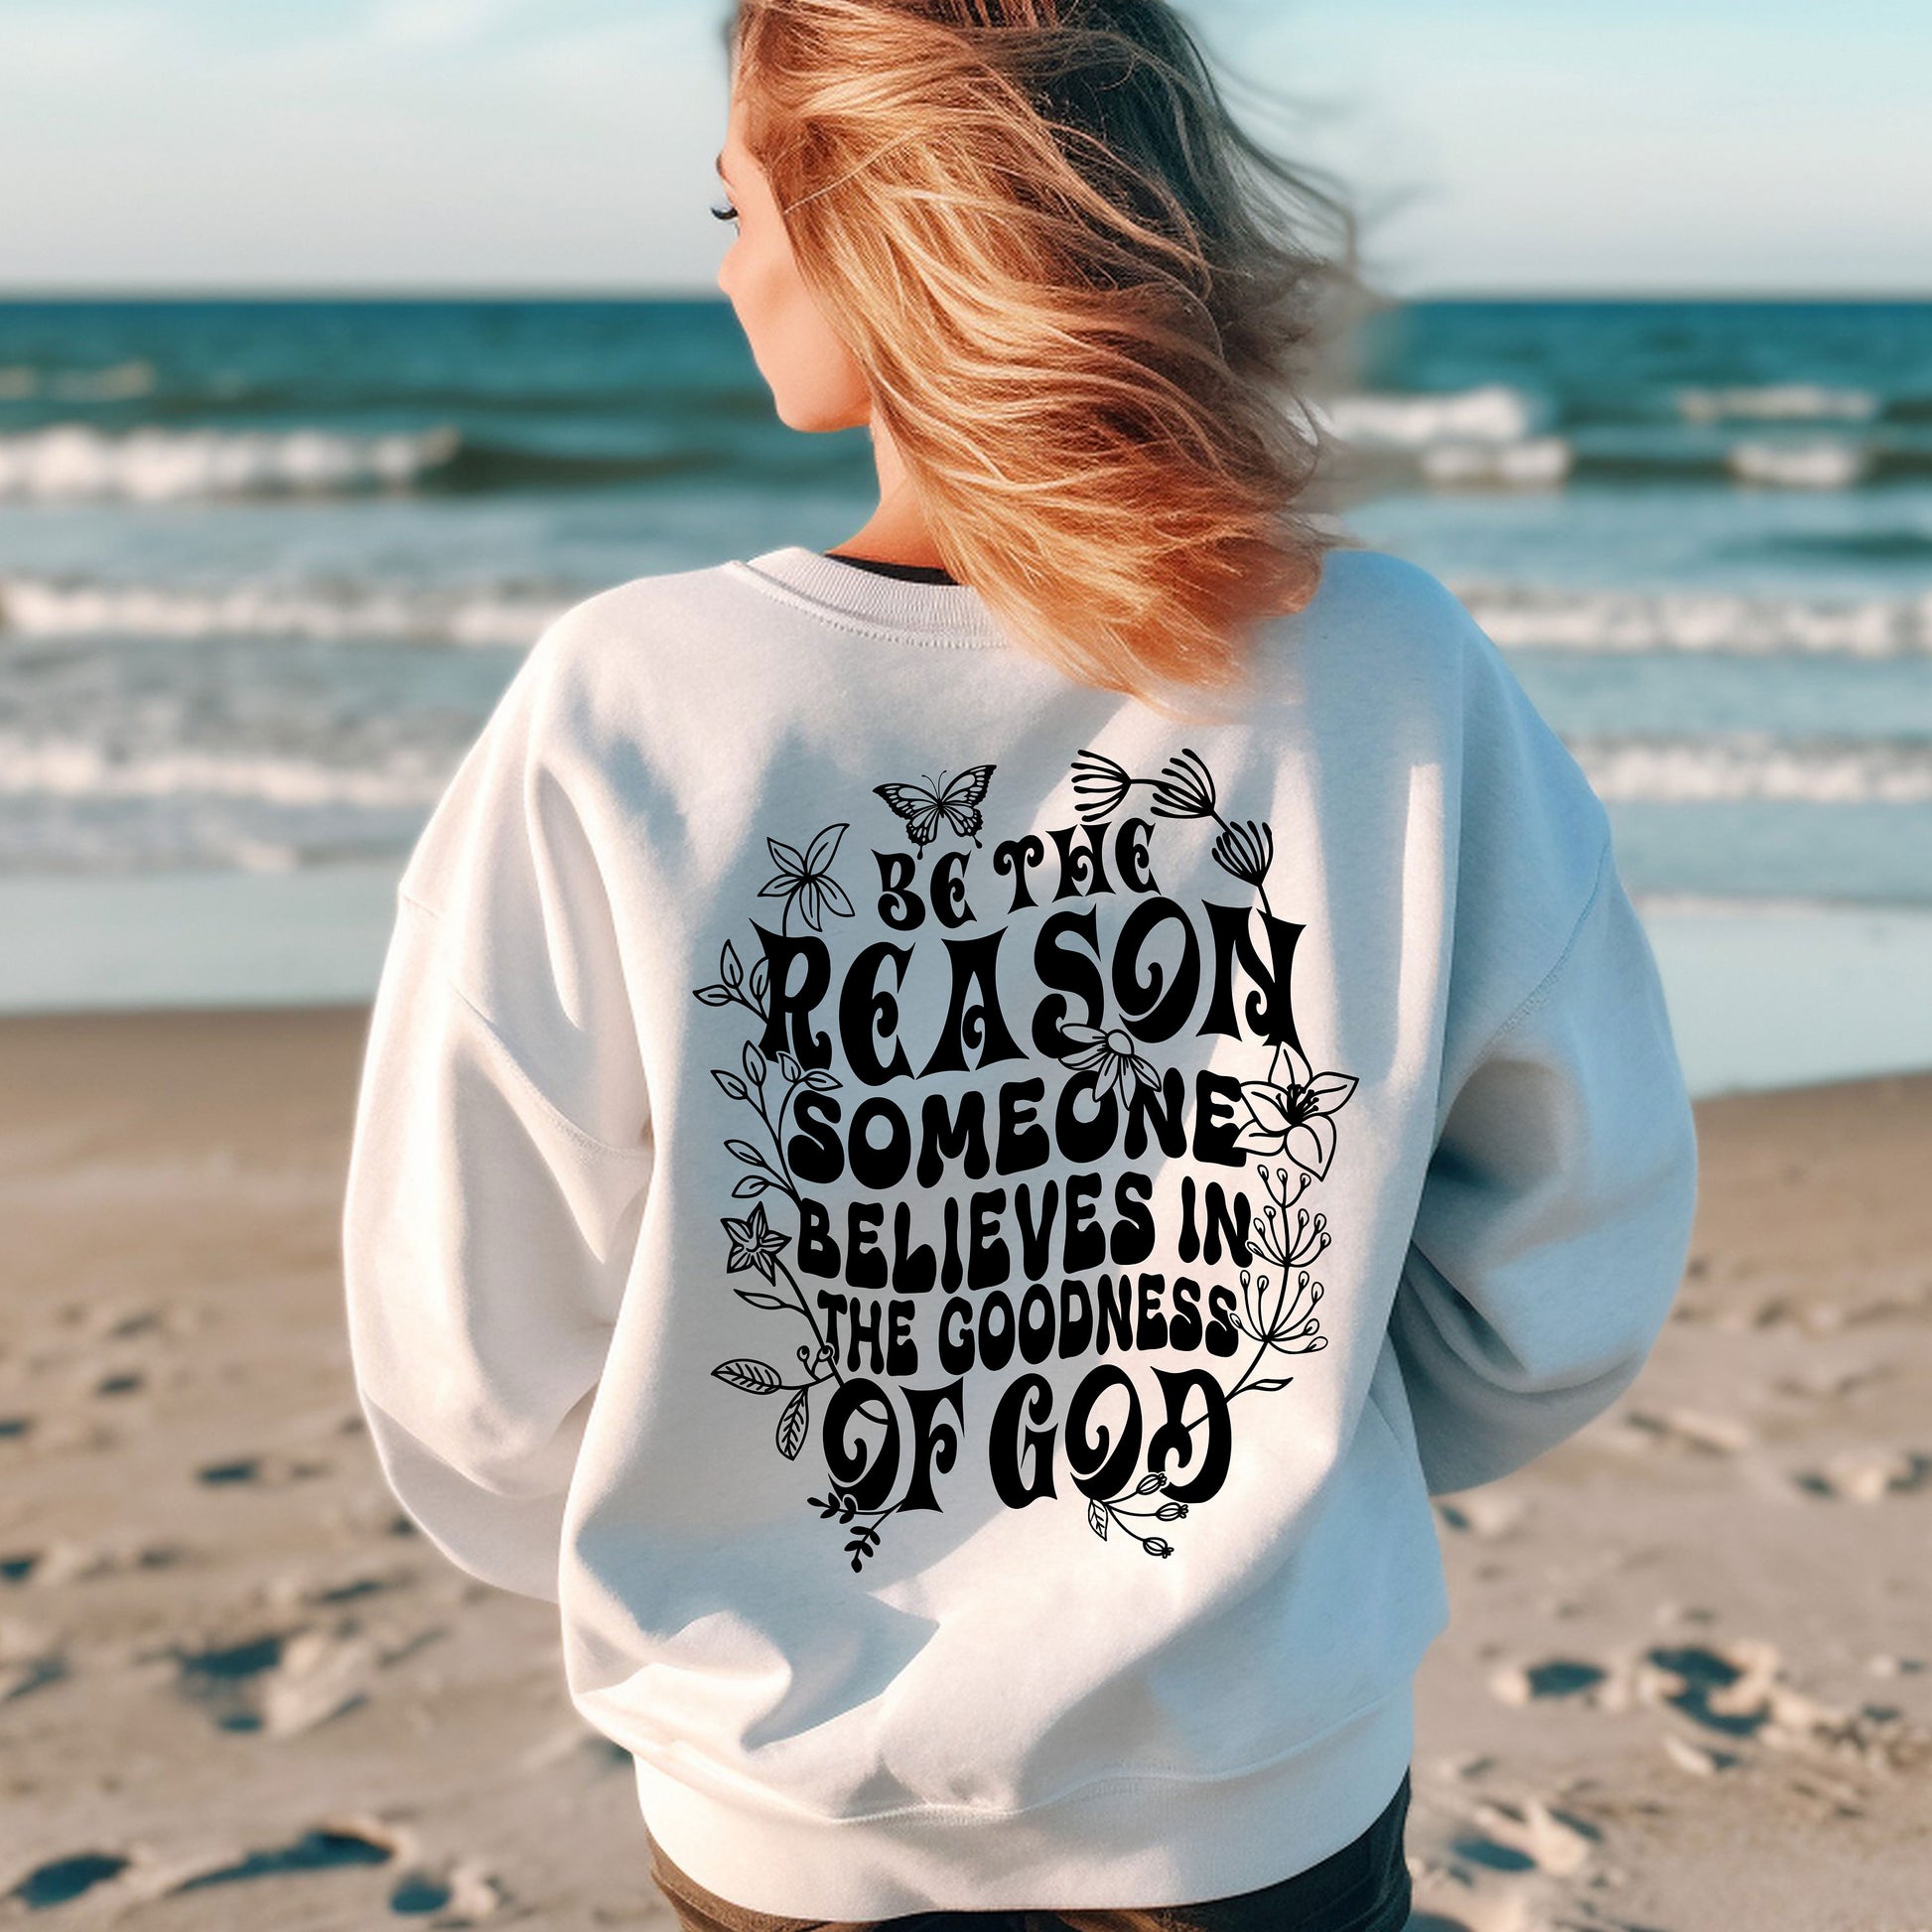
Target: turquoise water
x,y
264,568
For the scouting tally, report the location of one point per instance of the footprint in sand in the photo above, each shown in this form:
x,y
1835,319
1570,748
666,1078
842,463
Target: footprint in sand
x,y
1738,1691
66,1561
272,1471
326,1849
62,1880
1555,1677
1867,1475
282,1682
31,1658
459,1895
1501,1866
1484,1512
1680,1432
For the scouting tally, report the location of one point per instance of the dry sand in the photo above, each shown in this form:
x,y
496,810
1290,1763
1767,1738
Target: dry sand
x,y
1688,1684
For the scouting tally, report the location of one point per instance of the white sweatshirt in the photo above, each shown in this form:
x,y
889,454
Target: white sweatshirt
x,y
952,1222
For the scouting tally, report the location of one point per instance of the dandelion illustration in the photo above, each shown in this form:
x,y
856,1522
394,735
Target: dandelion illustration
x,y
1100,786
806,881
755,1243
1184,788
1110,1057
1291,1118
1246,851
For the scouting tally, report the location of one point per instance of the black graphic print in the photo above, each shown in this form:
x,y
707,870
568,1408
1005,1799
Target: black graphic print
x,y
923,807
901,1217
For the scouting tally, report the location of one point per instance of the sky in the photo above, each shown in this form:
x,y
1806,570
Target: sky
x,y
1494,146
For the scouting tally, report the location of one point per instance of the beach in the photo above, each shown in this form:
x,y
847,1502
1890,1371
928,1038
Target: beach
x,y
1688,1682
267,567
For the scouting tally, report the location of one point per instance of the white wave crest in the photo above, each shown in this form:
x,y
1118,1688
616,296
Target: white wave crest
x,y
1799,466
71,461
1778,402
75,768
119,382
40,607
1494,413
1699,621
1757,765
1541,463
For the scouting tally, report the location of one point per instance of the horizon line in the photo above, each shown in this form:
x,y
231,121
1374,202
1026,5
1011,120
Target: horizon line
x,y
590,292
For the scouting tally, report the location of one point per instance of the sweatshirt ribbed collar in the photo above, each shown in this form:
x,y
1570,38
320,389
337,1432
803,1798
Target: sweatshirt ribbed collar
x,y
856,598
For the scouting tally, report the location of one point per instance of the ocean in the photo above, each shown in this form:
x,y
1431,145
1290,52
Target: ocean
x,y
265,567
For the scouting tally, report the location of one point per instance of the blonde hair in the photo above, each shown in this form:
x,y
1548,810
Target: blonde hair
x,y
1068,279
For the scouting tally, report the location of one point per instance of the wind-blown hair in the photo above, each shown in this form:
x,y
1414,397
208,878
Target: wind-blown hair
x,y
1076,290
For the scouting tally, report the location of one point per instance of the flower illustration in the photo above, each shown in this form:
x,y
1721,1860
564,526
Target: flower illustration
x,y
1246,851
1100,784
755,1243
1184,788
807,881
1110,1057
1292,1326
1292,1118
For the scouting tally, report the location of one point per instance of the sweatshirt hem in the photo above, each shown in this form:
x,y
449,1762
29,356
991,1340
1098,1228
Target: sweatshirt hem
x,y
1133,1840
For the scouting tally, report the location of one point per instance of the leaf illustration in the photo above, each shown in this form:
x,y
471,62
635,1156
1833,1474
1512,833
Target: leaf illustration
x,y
791,1426
749,1184
754,1065
1097,1517
821,1080
1262,1388
715,996
762,1300
760,978
749,1155
790,1068
754,1378
731,1083
731,967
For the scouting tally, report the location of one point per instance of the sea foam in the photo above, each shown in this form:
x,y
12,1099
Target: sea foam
x,y
72,462
51,608
1822,464
1521,616
1756,766
1778,402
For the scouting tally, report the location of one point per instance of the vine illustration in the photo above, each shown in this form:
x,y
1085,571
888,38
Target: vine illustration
x,y
803,881
1291,1117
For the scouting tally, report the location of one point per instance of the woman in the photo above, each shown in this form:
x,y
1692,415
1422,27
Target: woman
x,y
958,1133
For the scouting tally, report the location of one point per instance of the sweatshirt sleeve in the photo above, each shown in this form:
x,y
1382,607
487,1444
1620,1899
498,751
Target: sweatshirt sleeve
x,y
1554,1217
500,1158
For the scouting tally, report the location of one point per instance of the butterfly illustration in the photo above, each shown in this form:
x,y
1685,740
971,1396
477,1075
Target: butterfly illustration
x,y
923,807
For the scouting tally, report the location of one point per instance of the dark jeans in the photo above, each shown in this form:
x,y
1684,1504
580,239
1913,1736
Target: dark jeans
x,y
1363,1887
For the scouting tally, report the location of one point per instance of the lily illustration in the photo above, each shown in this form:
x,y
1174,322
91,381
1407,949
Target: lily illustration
x,y
805,880
1292,1117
